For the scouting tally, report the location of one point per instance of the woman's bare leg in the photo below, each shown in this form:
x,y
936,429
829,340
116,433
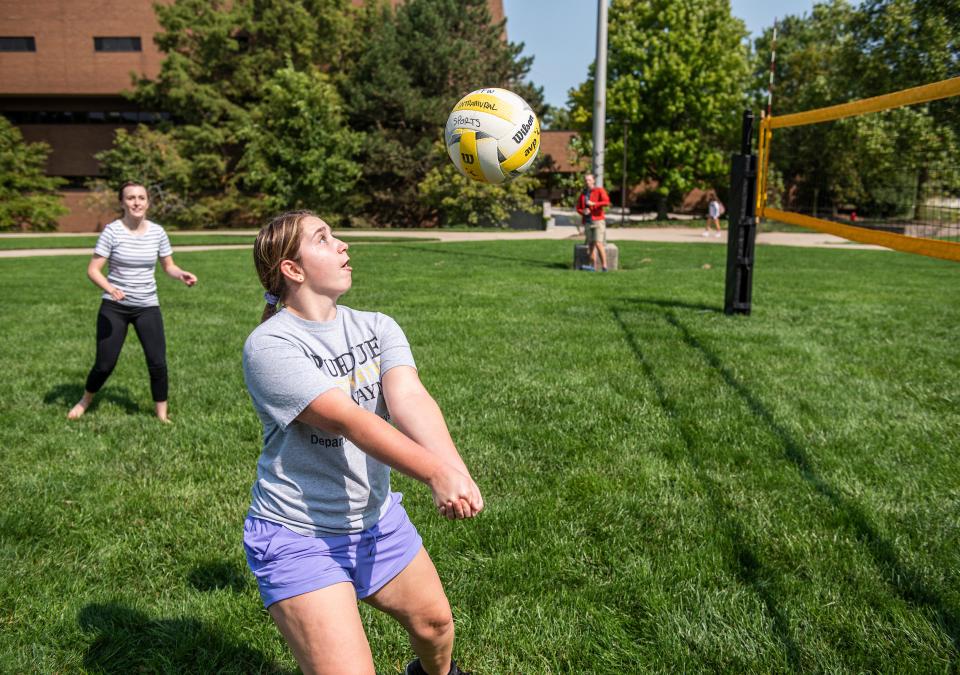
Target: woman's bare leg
x,y
324,630
415,598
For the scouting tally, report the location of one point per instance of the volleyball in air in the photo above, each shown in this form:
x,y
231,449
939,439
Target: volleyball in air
x,y
492,135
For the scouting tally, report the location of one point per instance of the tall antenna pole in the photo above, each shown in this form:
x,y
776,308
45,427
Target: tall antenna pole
x,y
623,178
773,61
600,93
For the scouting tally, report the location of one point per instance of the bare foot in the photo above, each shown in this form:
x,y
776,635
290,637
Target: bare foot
x,y
80,408
161,407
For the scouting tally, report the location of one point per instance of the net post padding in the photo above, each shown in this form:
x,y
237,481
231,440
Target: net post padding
x,y
923,94
742,230
933,248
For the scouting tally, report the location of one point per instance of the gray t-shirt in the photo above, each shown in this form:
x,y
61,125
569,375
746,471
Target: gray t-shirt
x,y
313,482
133,259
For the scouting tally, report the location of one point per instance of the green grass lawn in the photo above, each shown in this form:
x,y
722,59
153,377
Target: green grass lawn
x,y
668,489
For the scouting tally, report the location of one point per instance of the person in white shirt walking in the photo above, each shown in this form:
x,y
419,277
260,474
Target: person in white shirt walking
x,y
715,209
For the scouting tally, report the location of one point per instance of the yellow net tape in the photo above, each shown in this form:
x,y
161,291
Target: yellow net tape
x,y
763,162
928,92
934,248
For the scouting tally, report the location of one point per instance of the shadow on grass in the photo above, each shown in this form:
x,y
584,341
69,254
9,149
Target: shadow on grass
x,y
674,304
216,574
748,567
906,582
127,641
66,395
448,250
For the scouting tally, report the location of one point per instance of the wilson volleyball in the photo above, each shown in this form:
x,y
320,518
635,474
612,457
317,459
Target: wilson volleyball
x,y
492,135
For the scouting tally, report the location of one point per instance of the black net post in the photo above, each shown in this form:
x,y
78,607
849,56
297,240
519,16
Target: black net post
x,y
742,227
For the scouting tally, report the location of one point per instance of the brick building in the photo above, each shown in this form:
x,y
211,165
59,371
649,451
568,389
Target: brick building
x,y
63,66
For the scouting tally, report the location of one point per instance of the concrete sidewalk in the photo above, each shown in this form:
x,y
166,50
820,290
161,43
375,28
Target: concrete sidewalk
x,y
563,232
615,234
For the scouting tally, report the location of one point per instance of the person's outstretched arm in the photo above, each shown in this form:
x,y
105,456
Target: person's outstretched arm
x,y
414,411
416,414
336,413
175,272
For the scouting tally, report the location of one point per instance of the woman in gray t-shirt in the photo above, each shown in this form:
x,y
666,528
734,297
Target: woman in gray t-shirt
x,y
131,245
324,529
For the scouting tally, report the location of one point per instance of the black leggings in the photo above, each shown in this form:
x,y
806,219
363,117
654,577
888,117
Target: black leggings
x,y
112,322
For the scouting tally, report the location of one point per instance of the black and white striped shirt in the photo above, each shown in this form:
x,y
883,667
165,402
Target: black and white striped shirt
x,y
133,260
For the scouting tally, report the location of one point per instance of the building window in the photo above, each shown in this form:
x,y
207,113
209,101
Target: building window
x,y
85,117
18,44
117,44
75,182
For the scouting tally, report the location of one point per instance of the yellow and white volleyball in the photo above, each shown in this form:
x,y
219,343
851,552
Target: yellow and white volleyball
x,y
492,135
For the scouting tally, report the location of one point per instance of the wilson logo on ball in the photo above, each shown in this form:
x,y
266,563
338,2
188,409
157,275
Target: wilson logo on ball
x,y
524,130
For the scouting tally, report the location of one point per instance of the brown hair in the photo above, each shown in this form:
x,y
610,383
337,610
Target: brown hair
x,y
277,241
130,183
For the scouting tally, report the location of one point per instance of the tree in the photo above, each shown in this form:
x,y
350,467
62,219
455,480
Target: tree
x,y
297,150
816,60
151,157
464,201
224,63
401,77
28,197
882,163
677,74
814,69
907,43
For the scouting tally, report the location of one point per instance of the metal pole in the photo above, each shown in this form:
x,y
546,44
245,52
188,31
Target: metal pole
x,y
623,179
773,61
600,93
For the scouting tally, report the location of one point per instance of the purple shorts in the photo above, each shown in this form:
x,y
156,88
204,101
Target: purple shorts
x,y
287,564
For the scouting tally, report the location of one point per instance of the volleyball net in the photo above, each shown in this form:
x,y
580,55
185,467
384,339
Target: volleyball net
x,y
882,170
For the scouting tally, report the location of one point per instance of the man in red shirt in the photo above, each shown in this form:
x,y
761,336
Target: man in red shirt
x,y
590,205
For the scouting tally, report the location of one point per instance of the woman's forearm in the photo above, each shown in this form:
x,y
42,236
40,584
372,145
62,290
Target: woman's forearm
x,y
340,415
419,417
174,271
336,413
97,277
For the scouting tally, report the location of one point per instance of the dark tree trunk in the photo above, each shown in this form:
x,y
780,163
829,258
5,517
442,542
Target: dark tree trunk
x,y
661,207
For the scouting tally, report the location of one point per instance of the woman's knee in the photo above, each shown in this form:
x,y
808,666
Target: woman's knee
x,y
435,625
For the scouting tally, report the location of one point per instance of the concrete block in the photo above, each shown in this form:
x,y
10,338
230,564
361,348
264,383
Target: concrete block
x,y
580,257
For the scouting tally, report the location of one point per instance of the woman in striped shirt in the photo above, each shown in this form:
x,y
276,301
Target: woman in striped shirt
x,y
131,245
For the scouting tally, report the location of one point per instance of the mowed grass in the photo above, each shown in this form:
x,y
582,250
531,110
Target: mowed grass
x,y
668,488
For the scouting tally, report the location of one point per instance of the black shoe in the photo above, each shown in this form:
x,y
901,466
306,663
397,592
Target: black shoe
x,y
415,668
